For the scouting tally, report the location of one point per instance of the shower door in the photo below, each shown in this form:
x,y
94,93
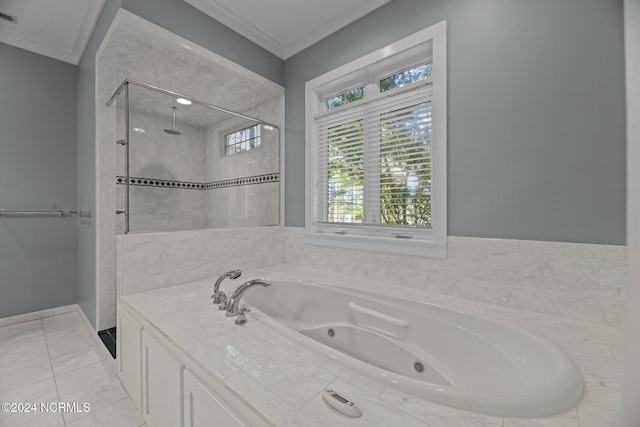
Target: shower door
x,y
184,164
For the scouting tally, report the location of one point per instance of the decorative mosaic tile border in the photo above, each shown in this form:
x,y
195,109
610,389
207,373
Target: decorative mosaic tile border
x,y
249,180
187,185
166,183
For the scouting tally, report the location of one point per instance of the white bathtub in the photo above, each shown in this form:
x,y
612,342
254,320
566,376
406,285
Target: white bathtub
x,y
467,361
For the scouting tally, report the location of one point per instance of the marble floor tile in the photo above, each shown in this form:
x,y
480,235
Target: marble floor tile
x,y
22,356
73,361
121,414
35,419
42,391
61,320
69,345
26,376
32,352
84,377
22,342
98,396
67,333
19,329
64,327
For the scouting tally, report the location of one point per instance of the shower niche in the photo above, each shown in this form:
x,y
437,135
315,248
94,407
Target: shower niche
x,y
184,163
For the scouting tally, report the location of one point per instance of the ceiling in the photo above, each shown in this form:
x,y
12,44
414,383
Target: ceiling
x,y
59,29
285,27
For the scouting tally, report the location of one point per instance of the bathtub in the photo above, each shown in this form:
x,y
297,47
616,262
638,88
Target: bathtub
x,y
438,354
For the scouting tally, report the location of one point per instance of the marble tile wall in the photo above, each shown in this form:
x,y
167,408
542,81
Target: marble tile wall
x,y
139,50
156,154
156,260
247,206
244,206
576,281
573,281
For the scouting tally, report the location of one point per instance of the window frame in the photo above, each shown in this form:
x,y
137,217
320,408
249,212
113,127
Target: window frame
x,y
258,138
426,45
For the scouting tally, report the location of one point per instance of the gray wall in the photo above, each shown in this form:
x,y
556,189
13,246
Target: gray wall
x,y
536,113
37,172
632,350
87,162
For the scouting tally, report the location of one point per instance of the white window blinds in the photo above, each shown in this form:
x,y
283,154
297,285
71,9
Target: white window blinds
x,y
374,162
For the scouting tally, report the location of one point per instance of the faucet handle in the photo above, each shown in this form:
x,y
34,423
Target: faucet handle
x,y
222,301
242,318
218,297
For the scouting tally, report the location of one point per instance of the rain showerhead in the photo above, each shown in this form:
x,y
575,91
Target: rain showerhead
x,y
173,130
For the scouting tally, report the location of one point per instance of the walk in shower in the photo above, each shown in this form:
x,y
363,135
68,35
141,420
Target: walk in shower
x,y
185,163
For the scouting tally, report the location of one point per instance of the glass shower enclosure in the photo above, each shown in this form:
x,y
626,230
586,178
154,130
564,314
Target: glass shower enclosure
x,y
188,164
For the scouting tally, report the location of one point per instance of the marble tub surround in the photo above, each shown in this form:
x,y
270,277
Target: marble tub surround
x,y
154,260
573,281
576,281
283,380
137,49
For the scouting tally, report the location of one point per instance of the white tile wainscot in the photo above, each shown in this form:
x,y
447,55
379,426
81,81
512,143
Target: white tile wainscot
x,y
280,381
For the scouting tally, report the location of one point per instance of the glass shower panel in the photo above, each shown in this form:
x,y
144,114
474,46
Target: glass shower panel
x,y
183,175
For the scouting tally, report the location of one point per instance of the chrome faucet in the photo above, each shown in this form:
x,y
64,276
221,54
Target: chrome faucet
x,y
234,302
220,297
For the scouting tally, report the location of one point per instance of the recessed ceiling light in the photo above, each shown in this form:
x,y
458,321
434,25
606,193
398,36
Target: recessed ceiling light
x,y
139,130
183,101
267,127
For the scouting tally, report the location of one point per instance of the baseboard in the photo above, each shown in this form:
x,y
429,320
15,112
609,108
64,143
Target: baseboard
x,y
21,318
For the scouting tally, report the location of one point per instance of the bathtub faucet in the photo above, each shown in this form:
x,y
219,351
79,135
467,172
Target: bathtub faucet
x,y
234,302
219,296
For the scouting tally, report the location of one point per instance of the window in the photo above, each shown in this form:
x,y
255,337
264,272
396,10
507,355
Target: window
x,y
376,151
408,76
242,140
345,98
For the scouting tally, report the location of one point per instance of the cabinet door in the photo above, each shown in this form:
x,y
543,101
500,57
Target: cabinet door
x,y
161,384
204,408
129,357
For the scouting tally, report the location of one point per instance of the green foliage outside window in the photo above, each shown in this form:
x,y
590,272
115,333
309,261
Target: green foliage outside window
x,y
405,77
405,169
345,98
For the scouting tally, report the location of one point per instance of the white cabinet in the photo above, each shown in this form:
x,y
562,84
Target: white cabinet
x,y
204,408
161,381
129,357
162,384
